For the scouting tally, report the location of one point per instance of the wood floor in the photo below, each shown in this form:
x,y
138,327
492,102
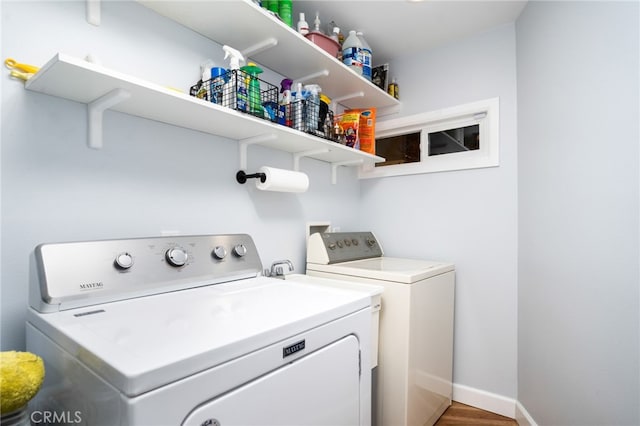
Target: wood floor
x,y
464,415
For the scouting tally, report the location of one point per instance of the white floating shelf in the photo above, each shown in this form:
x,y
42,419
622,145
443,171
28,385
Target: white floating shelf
x,y
242,24
81,81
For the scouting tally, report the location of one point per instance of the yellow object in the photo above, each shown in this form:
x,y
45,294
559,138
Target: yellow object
x,y
12,64
21,374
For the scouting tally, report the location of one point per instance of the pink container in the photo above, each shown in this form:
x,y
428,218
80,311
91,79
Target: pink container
x,y
325,43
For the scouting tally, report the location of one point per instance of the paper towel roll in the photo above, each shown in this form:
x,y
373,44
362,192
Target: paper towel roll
x,y
282,180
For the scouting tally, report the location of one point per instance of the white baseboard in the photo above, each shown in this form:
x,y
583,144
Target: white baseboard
x,y
522,416
485,400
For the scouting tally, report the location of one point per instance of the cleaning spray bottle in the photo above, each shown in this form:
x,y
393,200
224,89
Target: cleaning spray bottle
x,y
284,112
297,109
230,88
254,105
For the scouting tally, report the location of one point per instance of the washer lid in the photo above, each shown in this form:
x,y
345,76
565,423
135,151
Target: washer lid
x,y
387,268
144,343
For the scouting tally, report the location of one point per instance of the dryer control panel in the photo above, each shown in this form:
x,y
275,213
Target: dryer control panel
x,y
334,247
73,274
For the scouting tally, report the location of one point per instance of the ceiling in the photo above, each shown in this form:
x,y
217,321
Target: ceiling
x,y
396,27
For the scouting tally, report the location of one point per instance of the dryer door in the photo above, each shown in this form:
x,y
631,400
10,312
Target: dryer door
x,y
322,388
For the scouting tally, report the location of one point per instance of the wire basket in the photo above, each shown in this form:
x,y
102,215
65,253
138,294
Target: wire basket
x,y
240,91
312,117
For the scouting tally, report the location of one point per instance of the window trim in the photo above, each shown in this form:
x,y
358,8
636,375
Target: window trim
x,y
485,113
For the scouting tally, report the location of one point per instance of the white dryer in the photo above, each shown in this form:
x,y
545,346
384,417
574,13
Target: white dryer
x,y
415,354
185,331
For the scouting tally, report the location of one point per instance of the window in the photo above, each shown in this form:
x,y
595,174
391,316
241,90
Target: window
x,y
462,137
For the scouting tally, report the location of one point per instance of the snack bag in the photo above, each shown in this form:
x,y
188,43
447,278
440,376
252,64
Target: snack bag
x,y
349,123
366,129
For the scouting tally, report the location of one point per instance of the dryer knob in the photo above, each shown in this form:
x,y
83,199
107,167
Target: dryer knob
x,y
371,242
176,256
124,261
240,250
219,252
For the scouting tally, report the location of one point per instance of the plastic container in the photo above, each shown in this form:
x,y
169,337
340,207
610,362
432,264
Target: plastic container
x,y
365,56
303,26
285,9
327,44
351,52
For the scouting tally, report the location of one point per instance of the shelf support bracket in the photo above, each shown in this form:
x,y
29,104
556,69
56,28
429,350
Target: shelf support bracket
x,y
298,155
244,143
96,110
93,12
321,73
334,168
266,44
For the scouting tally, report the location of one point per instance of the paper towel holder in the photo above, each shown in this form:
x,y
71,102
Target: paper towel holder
x,y
242,177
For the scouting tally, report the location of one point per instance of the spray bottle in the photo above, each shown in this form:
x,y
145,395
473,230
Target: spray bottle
x,y
254,105
284,113
230,88
298,109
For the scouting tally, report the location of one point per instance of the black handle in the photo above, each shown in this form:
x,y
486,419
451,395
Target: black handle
x,y
242,177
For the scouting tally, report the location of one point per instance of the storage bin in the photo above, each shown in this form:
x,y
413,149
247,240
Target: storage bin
x,y
239,96
327,44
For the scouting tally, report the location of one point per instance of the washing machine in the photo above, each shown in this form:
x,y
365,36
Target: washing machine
x,y
413,381
187,331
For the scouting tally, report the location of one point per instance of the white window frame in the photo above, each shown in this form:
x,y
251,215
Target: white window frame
x,y
485,113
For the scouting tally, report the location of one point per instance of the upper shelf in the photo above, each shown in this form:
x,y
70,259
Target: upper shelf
x,y
85,82
242,25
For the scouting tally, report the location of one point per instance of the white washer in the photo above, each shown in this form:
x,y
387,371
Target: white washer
x,y
415,355
185,331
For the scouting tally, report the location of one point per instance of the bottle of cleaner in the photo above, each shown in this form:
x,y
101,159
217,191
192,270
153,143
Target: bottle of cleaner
x,y
230,88
335,36
285,8
316,23
284,112
351,52
365,56
312,107
393,89
254,105
297,110
303,26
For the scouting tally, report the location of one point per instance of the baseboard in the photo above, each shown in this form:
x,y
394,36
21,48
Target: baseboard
x,y
522,416
485,400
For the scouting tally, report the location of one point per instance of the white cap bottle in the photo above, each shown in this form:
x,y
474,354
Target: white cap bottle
x,y
303,26
351,52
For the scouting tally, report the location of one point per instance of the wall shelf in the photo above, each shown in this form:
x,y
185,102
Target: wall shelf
x,y
81,81
242,24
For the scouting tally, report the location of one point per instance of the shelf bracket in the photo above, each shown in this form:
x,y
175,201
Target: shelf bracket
x,y
321,73
298,155
96,110
266,44
244,143
93,12
339,99
334,168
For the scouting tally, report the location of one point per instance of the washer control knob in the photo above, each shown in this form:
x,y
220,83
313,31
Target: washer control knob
x,y
124,261
371,242
176,256
219,252
240,250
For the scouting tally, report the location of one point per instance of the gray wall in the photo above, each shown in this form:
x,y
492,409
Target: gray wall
x,y
578,136
467,217
150,177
